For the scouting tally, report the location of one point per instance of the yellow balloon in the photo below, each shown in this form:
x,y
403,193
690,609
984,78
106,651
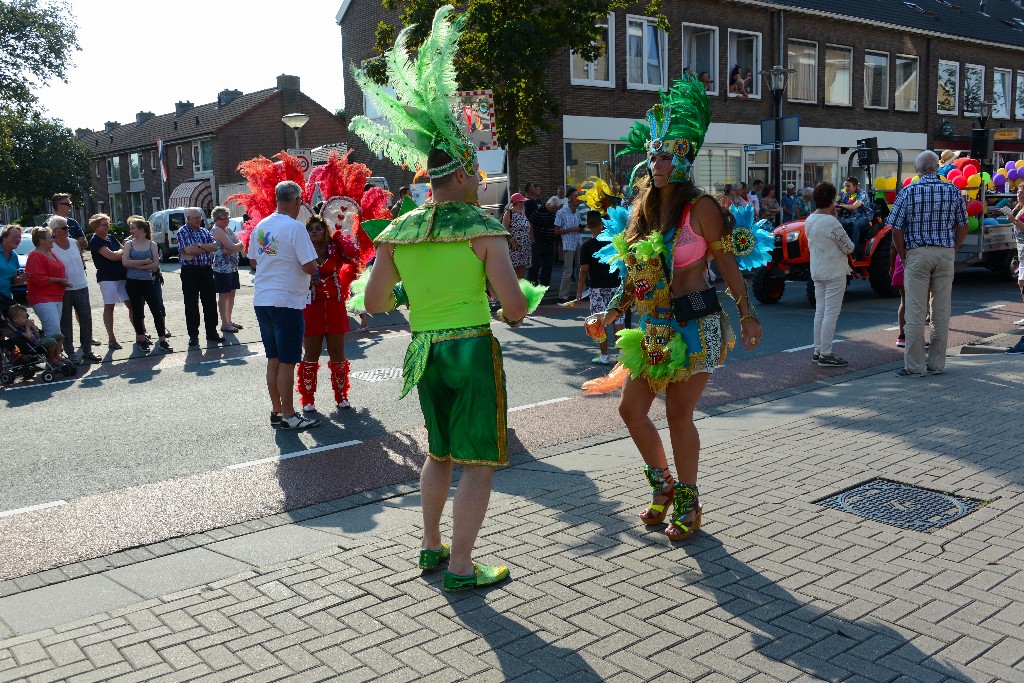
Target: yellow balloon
x,y
890,184
990,185
974,181
879,184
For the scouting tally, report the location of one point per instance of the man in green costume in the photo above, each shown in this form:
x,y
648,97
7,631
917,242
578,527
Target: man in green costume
x,y
439,259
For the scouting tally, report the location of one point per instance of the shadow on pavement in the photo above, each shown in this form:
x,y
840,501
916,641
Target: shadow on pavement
x,y
819,642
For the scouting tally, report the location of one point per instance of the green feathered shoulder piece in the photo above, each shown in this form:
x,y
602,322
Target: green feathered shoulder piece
x,y
447,222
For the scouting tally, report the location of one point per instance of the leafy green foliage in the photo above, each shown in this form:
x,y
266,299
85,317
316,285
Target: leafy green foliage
x,y
45,158
508,46
37,40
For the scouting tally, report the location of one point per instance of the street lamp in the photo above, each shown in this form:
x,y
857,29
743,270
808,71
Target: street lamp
x,y
776,78
295,121
984,111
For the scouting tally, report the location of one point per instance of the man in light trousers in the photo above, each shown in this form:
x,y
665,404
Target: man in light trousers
x,y
929,223
567,225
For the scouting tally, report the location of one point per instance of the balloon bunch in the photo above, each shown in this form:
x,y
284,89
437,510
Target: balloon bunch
x,y
885,188
1008,178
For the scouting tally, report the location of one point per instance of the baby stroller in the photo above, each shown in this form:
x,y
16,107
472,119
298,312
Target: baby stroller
x,y
24,358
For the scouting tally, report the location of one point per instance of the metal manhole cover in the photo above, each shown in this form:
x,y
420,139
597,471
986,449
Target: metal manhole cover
x,y
378,375
902,505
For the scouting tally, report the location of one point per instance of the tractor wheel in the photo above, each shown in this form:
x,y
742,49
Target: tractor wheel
x,y
1008,272
165,253
6,377
878,270
767,288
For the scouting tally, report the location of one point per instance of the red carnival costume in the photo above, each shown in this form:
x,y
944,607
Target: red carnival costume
x,y
349,248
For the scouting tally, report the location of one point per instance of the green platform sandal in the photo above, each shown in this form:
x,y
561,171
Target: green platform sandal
x,y
685,513
483,576
431,559
663,485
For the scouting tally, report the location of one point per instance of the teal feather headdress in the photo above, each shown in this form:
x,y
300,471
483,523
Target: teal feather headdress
x,y
677,125
420,112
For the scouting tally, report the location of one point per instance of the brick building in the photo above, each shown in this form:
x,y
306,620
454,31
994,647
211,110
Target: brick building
x,y
910,74
202,148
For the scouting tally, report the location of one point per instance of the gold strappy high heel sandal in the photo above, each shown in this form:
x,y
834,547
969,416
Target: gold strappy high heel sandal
x,y
663,485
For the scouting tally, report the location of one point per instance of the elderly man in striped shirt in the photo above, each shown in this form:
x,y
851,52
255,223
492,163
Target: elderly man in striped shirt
x,y
567,224
929,223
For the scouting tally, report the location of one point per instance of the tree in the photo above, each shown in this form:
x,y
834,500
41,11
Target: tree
x,y
46,158
37,40
508,48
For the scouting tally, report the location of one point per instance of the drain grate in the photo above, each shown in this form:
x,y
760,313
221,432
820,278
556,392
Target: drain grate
x,y
377,375
902,505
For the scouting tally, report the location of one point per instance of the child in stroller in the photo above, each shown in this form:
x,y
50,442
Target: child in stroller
x,y
26,351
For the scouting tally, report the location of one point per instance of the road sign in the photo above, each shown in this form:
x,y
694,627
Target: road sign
x,y
758,148
305,157
790,126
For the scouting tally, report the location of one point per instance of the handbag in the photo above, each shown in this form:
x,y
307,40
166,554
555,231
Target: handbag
x,y
696,305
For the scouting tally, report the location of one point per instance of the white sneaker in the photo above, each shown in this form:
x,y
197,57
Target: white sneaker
x,y
298,422
344,404
309,409
1019,323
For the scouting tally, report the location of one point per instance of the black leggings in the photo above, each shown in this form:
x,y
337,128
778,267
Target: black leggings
x,y
142,292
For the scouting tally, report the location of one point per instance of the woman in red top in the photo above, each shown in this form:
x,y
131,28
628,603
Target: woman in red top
x,y
326,316
47,281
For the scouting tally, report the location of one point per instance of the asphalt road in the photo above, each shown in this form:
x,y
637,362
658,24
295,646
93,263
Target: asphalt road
x,y
157,417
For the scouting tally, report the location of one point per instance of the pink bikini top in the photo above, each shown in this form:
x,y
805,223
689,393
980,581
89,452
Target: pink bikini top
x,y
690,247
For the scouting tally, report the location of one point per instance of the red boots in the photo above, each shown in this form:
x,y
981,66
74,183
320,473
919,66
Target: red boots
x,y
339,382
306,384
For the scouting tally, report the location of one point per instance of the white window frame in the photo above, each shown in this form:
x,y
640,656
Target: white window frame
x,y
609,26
1008,73
180,157
814,87
630,85
138,165
715,80
152,160
99,168
885,87
981,95
755,69
917,94
155,201
1018,97
197,156
849,92
110,169
955,111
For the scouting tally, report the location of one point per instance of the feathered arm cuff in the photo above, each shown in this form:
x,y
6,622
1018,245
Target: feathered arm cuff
x,y
751,247
533,293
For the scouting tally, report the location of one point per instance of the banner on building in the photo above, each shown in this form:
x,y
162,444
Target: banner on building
x,y
475,109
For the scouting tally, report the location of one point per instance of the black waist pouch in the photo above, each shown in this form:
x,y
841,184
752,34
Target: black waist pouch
x,y
695,305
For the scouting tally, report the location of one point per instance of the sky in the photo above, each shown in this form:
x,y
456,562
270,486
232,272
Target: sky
x,y
143,56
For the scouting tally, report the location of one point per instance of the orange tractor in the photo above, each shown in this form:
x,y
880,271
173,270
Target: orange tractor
x,y
791,259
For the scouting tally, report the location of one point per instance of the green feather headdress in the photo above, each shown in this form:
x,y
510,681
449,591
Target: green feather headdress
x,y
677,125
420,112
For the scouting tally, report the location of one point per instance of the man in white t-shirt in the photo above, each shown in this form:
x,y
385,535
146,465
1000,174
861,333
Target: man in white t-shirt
x,y
284,258
76,297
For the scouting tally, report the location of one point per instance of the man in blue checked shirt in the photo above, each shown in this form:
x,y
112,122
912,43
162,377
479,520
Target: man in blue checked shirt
x,y
195,252
929,223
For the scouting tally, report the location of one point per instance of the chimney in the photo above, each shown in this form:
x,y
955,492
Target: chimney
x,y
182,107
110,125
142,117
285,82
82,132
226,97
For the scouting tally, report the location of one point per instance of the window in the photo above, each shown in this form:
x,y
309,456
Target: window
x,y
745,57
178,157
820,172
876,80
116,210
974,88
715,167
700,52
99,168
906,83
137,200
114,170
202,156
152,160
948,98
1018,106
601,71
645,54
134,166
1001,93
156,204
803,83
838,75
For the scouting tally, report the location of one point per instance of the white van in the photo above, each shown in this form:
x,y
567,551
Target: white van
x,y
165,226
378,181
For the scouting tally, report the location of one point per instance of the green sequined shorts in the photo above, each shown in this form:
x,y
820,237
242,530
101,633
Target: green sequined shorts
x,y
462,395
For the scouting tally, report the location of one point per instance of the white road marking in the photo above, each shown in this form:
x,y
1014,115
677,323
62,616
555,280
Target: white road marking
x,y
33,508
809,346
987,308
297,454
541,403
891,329
63,381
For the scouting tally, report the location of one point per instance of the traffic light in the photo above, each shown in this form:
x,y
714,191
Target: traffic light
x,y
867,151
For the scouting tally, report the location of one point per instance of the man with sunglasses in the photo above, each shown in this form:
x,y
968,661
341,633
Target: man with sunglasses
x,y
62,207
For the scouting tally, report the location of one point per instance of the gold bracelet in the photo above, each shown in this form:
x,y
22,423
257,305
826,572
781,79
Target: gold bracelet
x,y
752,317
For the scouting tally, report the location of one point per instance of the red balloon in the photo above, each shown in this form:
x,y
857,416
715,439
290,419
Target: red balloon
x,y
974,208
969,170
890,197
953,173
959,163
907,181
960,182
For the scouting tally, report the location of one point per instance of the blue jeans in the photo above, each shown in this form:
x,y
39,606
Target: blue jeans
x,y
281,330
855,229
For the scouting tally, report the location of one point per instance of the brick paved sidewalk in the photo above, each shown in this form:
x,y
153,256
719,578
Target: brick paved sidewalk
x,y
774,588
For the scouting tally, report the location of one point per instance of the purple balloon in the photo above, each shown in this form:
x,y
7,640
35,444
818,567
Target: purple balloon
x,y
1000,181
1011,174
1010,165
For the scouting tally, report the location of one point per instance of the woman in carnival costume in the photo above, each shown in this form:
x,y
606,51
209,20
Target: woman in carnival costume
x,y
439,259
662,252
343,249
